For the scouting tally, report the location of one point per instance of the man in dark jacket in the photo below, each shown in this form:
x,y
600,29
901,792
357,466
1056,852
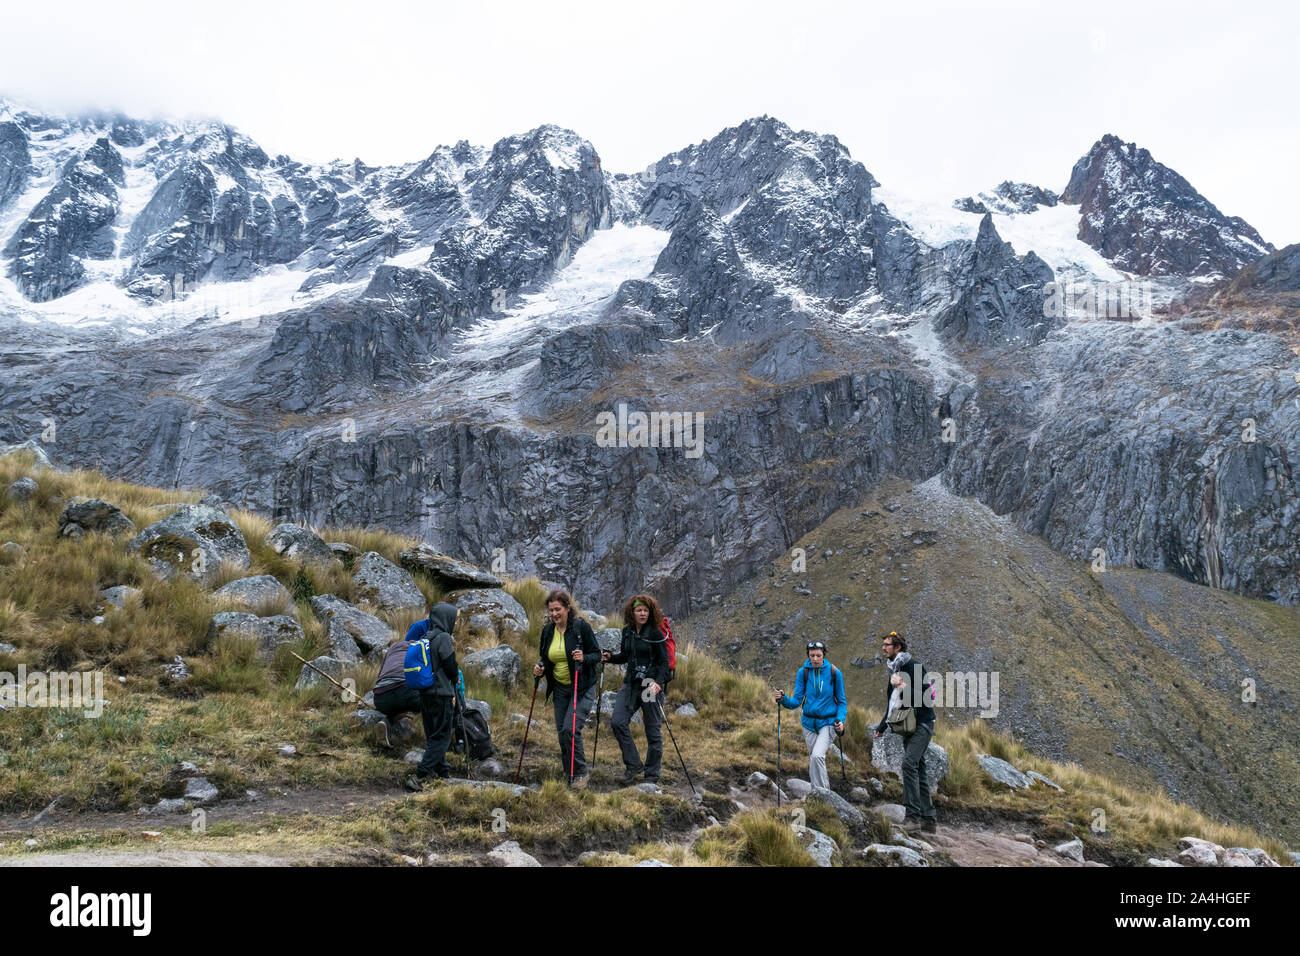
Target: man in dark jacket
x,y
645,652
566,650
907,687
437,700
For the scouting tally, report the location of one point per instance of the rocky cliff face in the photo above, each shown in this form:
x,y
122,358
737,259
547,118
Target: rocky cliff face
x,y
429,347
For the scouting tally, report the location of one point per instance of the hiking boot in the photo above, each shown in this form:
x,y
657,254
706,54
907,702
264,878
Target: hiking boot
x,y
628,778
929,825
415,783
580,783
381,735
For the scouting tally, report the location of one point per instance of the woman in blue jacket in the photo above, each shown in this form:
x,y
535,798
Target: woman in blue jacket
x,y
819,687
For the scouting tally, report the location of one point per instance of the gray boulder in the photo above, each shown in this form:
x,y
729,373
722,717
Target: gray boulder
x,y
366,717
386,586
1153,861
882,854
823,850
448,573
192,540
299,544
7,648
482,706
1073,850
488,614
999,771
501,664
344,551
311,676
687,710
351,631
1196,843
760,783
119,595
887,755
22,490
652,862
12,552
797,787
200,790
1198,855
92,514
262,592
1260,857
1035,776
510,854
268,632
843,809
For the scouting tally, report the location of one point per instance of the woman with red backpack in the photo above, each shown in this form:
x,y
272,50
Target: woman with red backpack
x,y
644,652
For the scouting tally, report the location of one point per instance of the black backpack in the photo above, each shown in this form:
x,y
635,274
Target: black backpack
x,y
473,736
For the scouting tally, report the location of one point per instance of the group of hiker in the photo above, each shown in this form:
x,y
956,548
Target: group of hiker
x,y
420,674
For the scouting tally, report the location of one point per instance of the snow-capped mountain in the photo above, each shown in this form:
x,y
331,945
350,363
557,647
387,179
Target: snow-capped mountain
x,y
188,309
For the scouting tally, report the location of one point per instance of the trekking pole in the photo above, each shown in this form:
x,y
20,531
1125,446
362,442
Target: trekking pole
x,y
840,747
664,718
529,724
778,755
458,703
599,694
349,696
573,737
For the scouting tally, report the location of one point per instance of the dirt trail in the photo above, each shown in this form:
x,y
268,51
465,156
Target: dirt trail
x,y
328,801
151,858
965,843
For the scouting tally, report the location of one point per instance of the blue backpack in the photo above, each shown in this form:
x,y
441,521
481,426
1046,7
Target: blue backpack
x,y
416,667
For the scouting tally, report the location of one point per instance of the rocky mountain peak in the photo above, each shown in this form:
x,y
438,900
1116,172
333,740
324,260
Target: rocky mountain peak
x,y
1148,219
1008,198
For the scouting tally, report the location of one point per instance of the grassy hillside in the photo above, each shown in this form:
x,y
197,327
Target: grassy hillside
x,y
337,799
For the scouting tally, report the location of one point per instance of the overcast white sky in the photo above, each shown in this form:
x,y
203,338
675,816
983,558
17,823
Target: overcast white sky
x,y
938,99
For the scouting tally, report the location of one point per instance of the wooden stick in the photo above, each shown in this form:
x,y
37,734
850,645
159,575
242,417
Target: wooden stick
x,y
356,698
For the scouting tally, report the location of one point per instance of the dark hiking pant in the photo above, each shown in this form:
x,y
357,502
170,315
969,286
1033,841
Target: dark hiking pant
x,y
916,785
400,700
436,712
563,701
625,705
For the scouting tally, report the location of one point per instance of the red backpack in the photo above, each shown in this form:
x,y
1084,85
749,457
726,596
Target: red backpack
x,y
672,647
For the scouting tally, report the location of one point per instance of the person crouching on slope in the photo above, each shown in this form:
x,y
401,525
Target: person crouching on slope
x,y
819,687
568,653
644,650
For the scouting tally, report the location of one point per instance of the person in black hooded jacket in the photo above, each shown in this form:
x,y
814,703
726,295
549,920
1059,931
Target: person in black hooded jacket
x,y
436,702
645,652
568,645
